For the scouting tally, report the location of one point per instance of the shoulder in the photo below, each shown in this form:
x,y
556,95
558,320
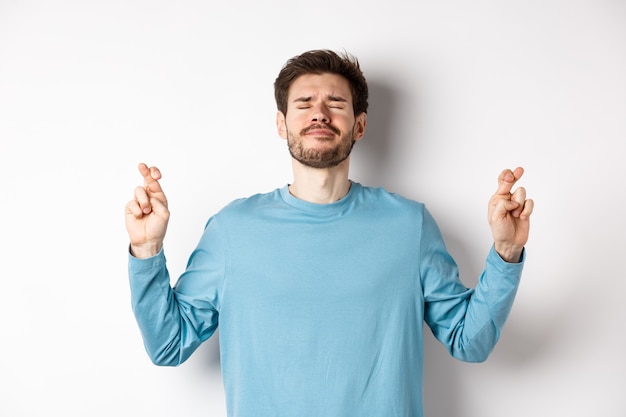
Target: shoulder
x,y
388,200
251,204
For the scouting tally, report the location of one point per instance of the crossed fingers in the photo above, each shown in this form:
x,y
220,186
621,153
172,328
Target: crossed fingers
x,y
515,203
151,190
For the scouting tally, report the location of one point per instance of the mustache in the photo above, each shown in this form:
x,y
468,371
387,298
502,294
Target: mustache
x,y
320,126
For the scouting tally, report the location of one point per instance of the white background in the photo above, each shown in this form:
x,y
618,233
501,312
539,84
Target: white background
x,y
459,91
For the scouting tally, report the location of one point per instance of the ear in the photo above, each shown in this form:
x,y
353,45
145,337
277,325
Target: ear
x,y
281,124
359,126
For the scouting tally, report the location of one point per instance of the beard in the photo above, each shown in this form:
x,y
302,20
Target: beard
x,y
326,157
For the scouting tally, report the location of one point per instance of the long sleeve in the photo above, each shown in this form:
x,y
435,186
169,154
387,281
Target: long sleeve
x,y
467,321
175,321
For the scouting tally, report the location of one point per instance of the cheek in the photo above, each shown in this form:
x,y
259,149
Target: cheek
x,y
295,123
296,117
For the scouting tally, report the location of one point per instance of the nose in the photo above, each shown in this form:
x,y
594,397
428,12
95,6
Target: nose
x,y
320,114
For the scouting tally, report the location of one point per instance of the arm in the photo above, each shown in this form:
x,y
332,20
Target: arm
x,y
469,321
466,321
173,323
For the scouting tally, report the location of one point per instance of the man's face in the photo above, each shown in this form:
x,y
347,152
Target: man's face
x,y
320,126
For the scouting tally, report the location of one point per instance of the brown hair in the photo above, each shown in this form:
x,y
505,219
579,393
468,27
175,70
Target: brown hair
x,y
319,62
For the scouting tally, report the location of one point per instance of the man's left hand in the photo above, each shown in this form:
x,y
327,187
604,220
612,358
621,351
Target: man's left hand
x,y
509,216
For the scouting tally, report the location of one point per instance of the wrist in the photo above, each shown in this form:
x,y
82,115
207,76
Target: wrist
x,y
509,253
145,250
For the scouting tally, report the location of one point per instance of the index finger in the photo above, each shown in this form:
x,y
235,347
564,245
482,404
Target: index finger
x,y
151,177
507,180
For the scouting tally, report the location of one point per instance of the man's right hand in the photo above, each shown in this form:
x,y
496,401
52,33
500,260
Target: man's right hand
x,y
147,215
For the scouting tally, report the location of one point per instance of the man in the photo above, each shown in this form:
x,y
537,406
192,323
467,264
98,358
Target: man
x,y
321,287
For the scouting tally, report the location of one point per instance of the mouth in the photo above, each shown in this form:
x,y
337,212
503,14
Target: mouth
x,y
320,131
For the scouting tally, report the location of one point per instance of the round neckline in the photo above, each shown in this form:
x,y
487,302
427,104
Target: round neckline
x,y
320,208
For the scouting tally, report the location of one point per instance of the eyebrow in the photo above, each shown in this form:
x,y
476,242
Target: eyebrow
x,y
329,98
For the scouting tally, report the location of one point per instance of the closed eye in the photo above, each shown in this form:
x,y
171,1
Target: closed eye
x,y
335,102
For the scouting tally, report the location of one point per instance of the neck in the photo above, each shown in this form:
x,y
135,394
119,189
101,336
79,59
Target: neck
x,y
321,186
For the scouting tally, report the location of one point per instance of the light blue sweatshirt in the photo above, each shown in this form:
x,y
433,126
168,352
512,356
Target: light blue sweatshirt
x,y
321,307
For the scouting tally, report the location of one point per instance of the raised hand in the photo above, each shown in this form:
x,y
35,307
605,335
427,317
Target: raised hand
x,y
147,215
509,216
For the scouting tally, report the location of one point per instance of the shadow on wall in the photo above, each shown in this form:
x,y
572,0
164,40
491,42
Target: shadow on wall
x,y
378,160
372,161
208,358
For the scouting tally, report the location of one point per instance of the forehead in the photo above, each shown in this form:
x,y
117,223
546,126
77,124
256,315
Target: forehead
x,y
316,85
